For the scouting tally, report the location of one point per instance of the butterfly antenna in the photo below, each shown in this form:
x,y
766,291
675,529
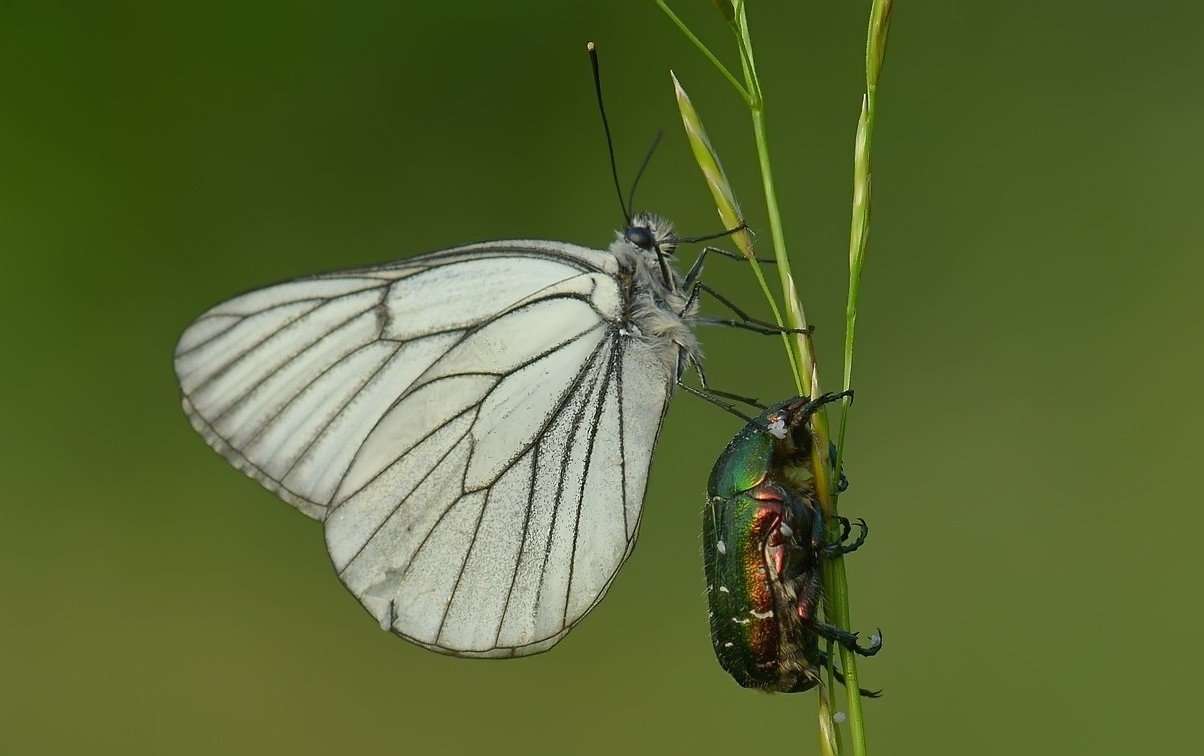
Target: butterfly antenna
x,y
610,145
640,173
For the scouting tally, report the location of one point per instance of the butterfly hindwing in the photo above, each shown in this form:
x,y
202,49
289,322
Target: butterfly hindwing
x,y
472,426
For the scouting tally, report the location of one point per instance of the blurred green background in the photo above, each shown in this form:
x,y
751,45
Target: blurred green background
x,y
1024,444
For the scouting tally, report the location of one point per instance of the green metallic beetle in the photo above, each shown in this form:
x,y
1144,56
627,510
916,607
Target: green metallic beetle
x,y
763,539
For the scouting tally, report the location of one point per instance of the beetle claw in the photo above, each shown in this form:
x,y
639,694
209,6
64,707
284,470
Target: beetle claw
x,y
849,640
840,549
839,675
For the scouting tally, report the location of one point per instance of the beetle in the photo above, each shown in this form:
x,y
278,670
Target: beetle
x,y
763,541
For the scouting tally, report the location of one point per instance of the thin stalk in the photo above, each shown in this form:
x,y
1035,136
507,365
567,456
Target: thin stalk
x,y
830,680
875,52
836,591
829,733
725,200
801,352
707,52
859,227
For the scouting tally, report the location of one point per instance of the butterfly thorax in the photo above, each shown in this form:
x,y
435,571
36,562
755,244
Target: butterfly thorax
x,y
657,310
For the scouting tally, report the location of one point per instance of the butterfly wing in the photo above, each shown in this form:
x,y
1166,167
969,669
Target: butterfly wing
x,y
472,426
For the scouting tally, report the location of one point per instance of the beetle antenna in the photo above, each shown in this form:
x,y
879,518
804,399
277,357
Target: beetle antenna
x,y
810,408
610,145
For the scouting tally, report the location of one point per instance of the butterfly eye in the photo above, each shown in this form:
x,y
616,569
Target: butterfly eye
x,y
641,236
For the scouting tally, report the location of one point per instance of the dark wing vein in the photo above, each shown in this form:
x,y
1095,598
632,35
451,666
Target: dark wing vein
x,y
622,433
415,385
551,417
564,465
292,358
522,544
227,449
242,316
326,425
227,367
417,485
308,385
476,531
589,457
239,319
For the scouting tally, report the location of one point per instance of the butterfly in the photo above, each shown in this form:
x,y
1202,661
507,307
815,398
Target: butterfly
x,y
473,427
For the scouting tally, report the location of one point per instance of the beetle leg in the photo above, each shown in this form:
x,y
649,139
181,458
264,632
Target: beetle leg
x,y
823,657
807,599
845,528
817,521
842,548
842,484
847,639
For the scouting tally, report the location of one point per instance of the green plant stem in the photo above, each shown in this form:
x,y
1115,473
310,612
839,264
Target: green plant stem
x,y
859,226
858,240
836,605
725,199
801,352
707,52
829,733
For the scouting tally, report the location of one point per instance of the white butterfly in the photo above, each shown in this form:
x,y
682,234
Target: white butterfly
x,y
474,427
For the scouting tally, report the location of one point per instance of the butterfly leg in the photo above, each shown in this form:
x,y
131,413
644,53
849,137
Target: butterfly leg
x,y
736,255
706,386
710,394
695,271
745,320
718,403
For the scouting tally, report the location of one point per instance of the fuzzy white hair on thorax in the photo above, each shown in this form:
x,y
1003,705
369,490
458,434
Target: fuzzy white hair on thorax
x,y
660,312
661,229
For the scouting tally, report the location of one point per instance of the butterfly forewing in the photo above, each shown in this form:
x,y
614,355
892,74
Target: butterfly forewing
x,y
474,427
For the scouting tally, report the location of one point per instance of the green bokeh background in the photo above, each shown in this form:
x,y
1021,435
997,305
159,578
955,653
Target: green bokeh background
x,y
1024,445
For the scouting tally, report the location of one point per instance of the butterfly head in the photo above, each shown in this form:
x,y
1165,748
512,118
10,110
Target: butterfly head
x,y
650,233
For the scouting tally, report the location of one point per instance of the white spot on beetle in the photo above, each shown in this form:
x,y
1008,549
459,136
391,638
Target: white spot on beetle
x,y
741,620
777,427
721,547
786,530
723,589
729,644
761,615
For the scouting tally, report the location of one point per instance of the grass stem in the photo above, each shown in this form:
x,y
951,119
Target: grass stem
x,y
800,350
